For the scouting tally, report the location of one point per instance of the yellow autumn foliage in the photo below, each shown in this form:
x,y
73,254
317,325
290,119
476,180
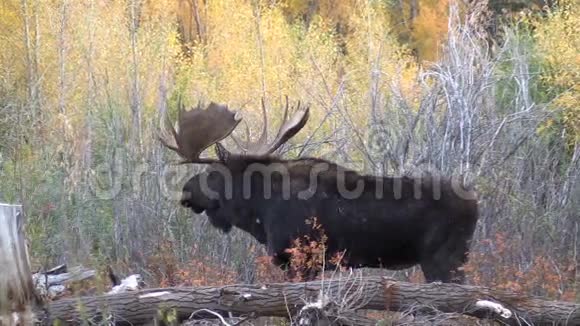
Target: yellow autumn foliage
x,y
430,28
558,44
83,65
261,55
375,60
265,54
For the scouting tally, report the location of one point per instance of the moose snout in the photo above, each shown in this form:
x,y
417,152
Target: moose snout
x,y
185,199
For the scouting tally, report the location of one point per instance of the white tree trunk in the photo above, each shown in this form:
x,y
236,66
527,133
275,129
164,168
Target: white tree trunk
x,y
16,287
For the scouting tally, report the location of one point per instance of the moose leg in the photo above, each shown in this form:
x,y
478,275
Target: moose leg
x,y
446,270
303,271
282,260
294,272
276,249
436,271
445,265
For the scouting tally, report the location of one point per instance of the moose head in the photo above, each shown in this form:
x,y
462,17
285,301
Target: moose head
x,y
208,191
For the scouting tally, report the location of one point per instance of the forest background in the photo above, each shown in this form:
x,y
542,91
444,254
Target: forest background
x,y
488,90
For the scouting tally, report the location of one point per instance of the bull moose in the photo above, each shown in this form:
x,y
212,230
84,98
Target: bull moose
x,y
386,222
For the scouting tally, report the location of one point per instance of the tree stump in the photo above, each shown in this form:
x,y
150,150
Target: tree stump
x,y
16,287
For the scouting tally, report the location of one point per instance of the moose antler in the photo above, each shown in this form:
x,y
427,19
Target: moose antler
x,y
287,130
197,129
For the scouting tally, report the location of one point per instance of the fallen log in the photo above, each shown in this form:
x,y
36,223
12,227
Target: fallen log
x,y
347,295
54,282
75,274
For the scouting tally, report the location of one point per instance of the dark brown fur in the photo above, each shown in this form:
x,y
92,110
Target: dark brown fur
x,y
395,231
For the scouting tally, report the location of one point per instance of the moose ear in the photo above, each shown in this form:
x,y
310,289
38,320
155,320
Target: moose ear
x,y
222,153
